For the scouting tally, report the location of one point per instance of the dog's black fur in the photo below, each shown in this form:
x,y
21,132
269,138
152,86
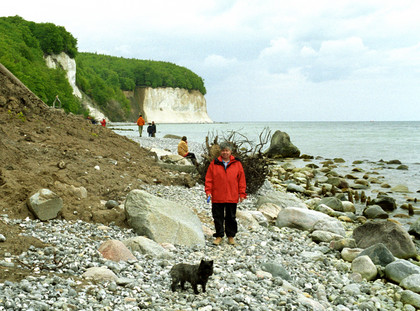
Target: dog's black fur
x,y
195,274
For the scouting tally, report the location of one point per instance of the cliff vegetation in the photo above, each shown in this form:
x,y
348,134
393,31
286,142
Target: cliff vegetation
x,y
24,44
102,77
22,47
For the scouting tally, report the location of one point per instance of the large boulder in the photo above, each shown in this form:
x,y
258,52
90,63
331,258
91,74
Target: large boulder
x,y
270,211
45,204
247,219
411,298
282,147
324,236
330,224
332,202
337,182
379,254
365,267
386,202
399,269
175,159
415,228
162,220
375,212
281,199
392,235
411,282
305,219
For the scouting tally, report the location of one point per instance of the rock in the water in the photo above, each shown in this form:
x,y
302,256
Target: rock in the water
x,y
386,202
282,147
172,136
400,188
375,212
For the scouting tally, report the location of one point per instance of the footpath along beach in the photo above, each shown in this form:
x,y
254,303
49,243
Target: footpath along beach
x,y
270,268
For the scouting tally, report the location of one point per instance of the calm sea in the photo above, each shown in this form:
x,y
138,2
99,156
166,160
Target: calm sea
x,y
349,140
368,141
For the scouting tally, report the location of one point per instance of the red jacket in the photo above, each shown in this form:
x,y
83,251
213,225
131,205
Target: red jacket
x,y
140,121
225,185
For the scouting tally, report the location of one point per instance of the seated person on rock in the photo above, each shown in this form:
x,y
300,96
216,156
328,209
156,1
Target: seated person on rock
x,y
183,151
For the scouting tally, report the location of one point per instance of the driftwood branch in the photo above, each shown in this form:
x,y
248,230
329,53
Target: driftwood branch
x,y
251,155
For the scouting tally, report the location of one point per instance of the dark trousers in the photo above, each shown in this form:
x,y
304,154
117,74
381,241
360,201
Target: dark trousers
x,y
192,157
224,216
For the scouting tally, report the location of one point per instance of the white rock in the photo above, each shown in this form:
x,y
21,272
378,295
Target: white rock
x,y
365,267
99,274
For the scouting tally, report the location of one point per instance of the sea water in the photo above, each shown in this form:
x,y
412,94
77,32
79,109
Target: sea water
x,y
366,141
349,140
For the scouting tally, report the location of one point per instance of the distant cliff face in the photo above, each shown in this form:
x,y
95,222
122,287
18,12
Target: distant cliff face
x,y
69,65
162,105
171,105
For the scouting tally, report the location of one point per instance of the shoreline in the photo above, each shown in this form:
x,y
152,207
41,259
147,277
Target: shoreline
x,y
372,172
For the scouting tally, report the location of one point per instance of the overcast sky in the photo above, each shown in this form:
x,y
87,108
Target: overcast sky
x,y
263,60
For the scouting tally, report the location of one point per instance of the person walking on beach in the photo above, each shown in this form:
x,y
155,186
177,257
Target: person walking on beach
x,y
153,129
150,130
141,123
183,150
225,184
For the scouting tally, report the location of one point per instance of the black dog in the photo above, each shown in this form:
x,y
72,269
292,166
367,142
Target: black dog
x,y
195,274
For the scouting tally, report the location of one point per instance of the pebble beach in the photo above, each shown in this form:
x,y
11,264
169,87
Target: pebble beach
x,y
303,275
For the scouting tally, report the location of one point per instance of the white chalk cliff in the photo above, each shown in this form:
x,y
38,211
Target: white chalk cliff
x,y
162,105
69,65
172,105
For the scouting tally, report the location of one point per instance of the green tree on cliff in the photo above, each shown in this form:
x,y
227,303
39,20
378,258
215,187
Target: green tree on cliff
x,y
23,45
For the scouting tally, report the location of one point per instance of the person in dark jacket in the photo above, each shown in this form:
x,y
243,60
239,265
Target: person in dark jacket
x,y
153,129
225,185
150,130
